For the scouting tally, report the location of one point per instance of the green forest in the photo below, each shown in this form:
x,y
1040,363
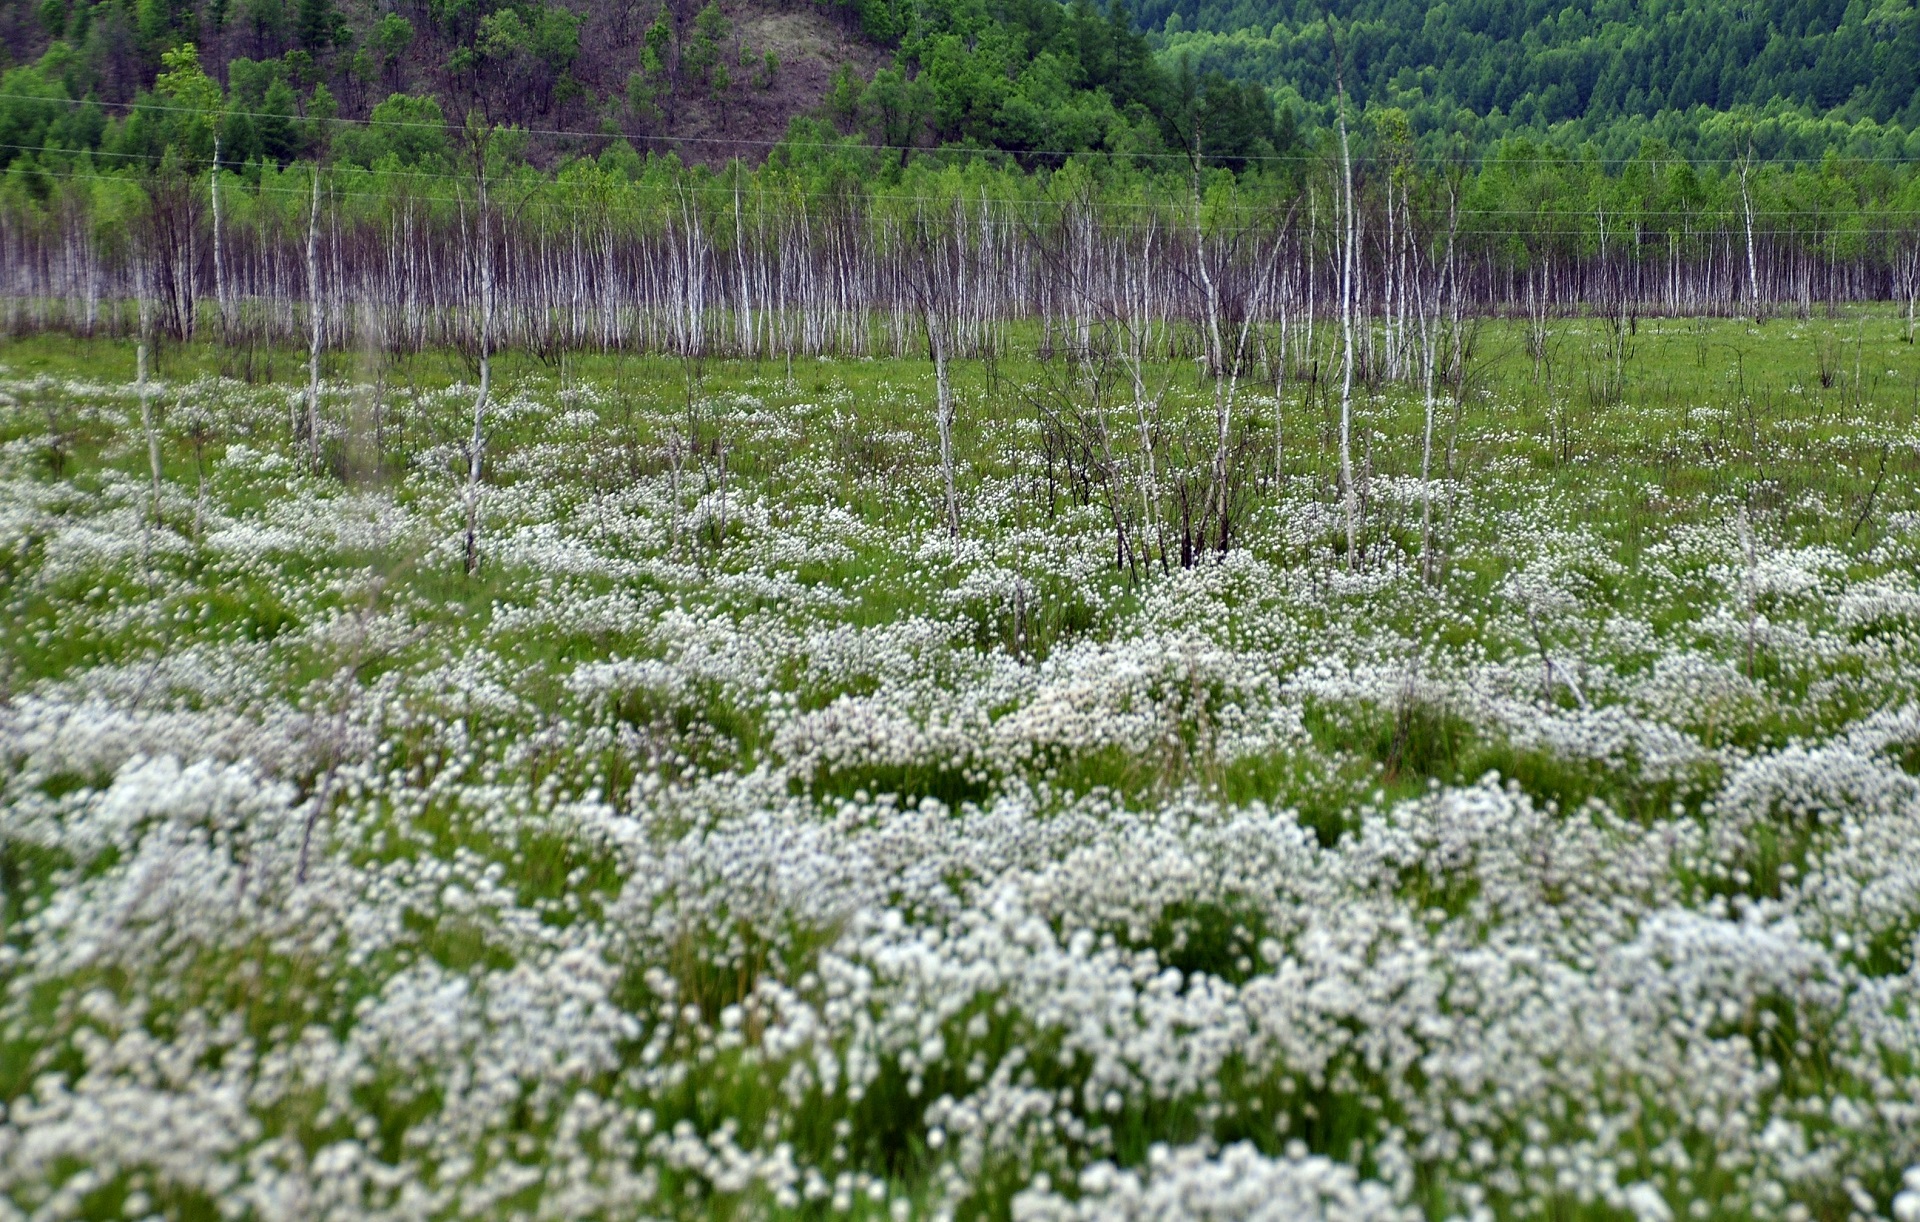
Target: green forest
x,y
1791,77
1230,83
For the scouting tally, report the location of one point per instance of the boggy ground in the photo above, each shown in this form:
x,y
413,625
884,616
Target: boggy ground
x,y
735,842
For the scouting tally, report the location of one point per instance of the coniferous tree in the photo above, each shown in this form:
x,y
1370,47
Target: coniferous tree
x,y
319,26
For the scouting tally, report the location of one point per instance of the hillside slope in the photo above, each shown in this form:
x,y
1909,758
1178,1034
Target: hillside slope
x,y
1228,79
707,81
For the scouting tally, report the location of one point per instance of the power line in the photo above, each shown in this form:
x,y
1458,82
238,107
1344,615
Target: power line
x,y
1569,159
301,193
1557,226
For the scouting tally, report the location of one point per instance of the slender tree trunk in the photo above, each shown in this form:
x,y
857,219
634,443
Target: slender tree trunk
x,y
1753,272
484,255
140,345
219,256
1139,309
1347,494
146,393
740,262
1280,388
1313,284
316,317
943,389
1217,358
1430,339
1913,286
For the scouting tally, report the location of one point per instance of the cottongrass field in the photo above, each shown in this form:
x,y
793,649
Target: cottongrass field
x,y
735,843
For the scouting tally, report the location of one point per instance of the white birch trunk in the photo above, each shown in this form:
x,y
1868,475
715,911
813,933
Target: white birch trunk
x,y
316,317
219,254
484,255
1347,494
1753,273
943,390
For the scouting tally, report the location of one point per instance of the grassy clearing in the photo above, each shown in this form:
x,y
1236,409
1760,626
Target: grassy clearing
x,y
734,842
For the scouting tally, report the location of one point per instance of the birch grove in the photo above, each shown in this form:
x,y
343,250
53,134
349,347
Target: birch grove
x,y
755,266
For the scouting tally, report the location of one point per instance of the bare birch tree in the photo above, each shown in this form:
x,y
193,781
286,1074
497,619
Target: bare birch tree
x,y
145,387
1746,203
219,262
316,319
1440,279
1349,235
478,139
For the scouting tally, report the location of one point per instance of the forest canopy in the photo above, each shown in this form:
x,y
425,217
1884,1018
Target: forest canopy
x,y
1798,76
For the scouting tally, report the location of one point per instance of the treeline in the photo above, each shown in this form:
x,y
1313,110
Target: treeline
x,y
826,247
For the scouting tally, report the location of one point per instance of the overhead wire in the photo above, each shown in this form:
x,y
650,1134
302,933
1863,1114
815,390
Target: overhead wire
x,y
1567,158
1032,207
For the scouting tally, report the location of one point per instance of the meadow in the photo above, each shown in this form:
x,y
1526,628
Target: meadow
x,y
731,838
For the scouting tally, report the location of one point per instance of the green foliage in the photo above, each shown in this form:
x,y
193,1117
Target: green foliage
x,y
896,109
35,111
1045,79
842,103
548,35
261,120
321,109
404,130
162,24
177,121
701,59
657,57
185,85
299,67
266,20
392,37
643,92
523,51
320,27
